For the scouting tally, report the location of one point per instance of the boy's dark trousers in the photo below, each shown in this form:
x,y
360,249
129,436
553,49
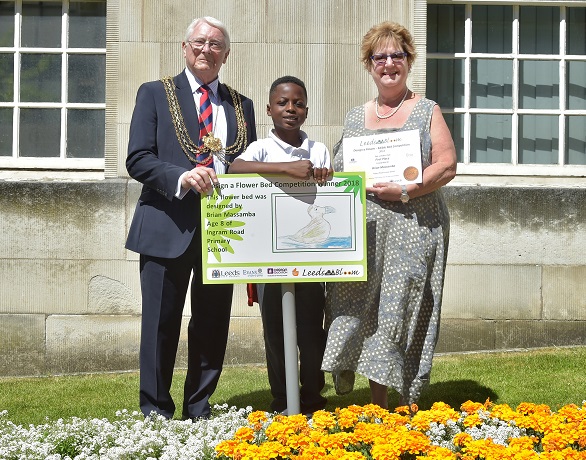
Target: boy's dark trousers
x,y
311,341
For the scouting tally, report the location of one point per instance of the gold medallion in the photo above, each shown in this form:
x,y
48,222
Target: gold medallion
x,y
212,143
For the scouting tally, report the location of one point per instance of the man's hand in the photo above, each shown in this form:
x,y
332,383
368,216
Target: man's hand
x,y
201,179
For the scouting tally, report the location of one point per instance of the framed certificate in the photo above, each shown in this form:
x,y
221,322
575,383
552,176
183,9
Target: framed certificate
x,y
389,157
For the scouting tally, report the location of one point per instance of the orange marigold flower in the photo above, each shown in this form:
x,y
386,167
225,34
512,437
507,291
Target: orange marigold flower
x,y
440,413
461,439
403,410
244,433
227,447
371,433
472,407
530,408
257,417
555,441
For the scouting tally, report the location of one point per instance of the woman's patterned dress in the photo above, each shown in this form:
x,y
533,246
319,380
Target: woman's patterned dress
x,y
386,328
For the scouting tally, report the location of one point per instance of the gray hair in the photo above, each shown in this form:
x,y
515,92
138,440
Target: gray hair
x,y
212,22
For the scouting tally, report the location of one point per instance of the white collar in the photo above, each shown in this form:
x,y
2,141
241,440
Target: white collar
x,y
288,147
195,83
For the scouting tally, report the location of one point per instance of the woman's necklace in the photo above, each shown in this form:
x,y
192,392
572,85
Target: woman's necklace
x,y
392,112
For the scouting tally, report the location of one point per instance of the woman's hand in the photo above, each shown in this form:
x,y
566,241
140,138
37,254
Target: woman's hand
x,y
388,191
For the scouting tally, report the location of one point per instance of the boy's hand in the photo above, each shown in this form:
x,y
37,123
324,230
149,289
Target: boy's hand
x,y
302,169
321,175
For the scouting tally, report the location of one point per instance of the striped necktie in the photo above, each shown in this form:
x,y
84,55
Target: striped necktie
x,y
205,123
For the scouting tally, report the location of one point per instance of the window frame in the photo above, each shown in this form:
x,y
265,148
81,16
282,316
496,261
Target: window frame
x,y
513,168
16,162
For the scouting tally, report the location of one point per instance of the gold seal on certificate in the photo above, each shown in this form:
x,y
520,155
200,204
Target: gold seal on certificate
x,y
410,173
389,157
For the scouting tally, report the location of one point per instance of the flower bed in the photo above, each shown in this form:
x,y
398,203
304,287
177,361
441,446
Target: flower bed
x,y
476,432
479,431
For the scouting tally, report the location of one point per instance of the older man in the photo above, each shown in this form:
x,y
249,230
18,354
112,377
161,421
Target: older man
x,y
184,131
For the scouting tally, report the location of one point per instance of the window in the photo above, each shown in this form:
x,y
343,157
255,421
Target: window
x,y
52,84
511,82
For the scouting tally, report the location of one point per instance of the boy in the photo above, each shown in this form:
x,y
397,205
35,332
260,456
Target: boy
x,y
288,151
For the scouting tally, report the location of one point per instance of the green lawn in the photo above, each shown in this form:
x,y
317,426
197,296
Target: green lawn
x,y
547,376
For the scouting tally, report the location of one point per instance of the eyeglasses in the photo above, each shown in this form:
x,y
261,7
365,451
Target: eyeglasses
x,y
199,44
381,58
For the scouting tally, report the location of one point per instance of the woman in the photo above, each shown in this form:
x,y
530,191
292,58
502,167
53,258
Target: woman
x,y
386,328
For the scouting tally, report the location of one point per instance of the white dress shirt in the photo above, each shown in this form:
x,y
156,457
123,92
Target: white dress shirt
x,y
219,124
273,149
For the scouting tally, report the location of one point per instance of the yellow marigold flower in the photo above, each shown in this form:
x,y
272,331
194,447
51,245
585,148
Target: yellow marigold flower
x,y
472,420
257,417
341,454
566,454
374,411
312,453
439,413
438,453
244,433
316,436
393,419
405,410
385,452
338,440
267,451
348,417
484,448
524,443
461,439
323,420
416,442
296,441
504,412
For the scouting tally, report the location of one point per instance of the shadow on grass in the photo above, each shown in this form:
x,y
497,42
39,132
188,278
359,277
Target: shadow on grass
x,y
452,392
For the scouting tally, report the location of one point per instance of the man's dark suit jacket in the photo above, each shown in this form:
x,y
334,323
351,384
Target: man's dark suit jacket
x,y
163,225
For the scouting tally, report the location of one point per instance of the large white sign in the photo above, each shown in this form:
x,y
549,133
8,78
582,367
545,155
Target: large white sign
x,y
273,228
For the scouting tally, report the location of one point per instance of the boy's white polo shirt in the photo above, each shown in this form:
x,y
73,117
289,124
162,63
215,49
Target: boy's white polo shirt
x,y
272,149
